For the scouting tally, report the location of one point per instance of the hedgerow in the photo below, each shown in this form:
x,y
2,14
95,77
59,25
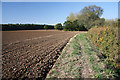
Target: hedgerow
x,y
106,40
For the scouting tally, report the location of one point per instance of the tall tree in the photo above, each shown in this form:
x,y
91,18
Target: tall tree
x,y
89,15
71,17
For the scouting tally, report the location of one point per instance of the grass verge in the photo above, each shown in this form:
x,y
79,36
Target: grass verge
x,y
68,63
80,59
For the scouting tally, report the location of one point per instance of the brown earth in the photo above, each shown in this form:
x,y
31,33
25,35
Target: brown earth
x,y
31,54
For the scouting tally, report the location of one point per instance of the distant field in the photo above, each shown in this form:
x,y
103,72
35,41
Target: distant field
x,y
31,53
21,35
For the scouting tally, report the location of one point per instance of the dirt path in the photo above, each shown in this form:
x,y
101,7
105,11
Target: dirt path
x,y
31,54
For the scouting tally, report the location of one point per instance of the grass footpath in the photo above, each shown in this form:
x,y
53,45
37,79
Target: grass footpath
x,y
68,64
80,59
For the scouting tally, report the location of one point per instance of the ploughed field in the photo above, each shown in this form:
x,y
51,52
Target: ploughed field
x,y
31,54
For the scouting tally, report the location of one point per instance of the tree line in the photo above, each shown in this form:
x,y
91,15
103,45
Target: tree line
x,y
9,27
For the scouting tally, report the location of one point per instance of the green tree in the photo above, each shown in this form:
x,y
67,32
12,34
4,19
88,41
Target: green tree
x,y
71,17
78,27
89,15
46,27
58,26
73,26
67,26
99,22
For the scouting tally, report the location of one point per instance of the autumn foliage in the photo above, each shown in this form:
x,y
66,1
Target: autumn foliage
x,y
106,39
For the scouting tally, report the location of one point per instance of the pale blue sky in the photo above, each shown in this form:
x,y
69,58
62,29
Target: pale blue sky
x,y
60,0
50,12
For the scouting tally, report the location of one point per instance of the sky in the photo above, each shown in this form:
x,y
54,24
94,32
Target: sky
x,y
50,12
60,0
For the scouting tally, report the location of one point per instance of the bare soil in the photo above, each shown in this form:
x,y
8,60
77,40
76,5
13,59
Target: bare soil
x,y
31,54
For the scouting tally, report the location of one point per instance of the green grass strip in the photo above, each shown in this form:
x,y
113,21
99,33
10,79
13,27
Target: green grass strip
x,y
94,60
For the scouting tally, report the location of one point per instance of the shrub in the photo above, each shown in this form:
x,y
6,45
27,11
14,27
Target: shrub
x,y
106,39
46,27
58,26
